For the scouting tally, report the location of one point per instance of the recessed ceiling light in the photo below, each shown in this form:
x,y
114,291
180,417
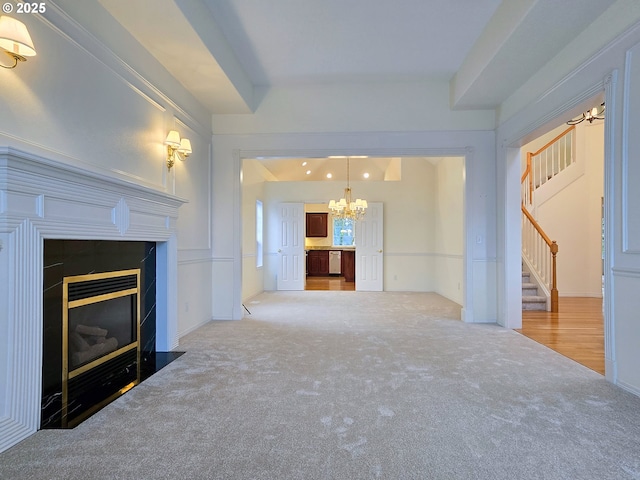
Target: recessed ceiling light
x,y
308,172
365,174
329,175
304,164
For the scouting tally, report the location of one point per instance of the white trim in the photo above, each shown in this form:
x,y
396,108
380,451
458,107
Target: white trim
x,y
626,272
610,87
42,199
424,254
629,388
193,328
467,152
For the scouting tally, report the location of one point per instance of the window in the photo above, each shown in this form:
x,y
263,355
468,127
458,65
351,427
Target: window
x,y
258,234
343,231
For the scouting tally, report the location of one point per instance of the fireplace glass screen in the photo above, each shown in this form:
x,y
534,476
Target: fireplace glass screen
x,y
100,328
101,332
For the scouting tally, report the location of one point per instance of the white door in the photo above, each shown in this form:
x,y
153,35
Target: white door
x,y
291,271
369,264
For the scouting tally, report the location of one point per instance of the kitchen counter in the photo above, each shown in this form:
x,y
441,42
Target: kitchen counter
x,y
323,247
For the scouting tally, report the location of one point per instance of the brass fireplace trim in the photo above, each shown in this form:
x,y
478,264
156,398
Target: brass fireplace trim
x,y
66,306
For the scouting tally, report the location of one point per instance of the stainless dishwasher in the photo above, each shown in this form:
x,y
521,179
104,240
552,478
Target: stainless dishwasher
x,y
335,262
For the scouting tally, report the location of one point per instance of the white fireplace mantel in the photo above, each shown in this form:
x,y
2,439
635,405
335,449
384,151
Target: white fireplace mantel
x,y
42,198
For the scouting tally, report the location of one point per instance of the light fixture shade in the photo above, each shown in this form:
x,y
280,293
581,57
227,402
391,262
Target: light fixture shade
x,y
185,146
346,208
15,38
173,139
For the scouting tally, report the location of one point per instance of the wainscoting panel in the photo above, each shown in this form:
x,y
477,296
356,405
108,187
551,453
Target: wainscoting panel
x,y
631,153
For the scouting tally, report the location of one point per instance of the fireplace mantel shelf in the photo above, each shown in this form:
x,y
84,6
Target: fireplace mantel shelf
x,y
47,168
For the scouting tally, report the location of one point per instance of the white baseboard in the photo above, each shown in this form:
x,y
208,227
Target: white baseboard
x,y
629,388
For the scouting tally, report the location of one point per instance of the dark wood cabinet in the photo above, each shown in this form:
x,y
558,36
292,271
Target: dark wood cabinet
x,y
349,265
317,263
317,224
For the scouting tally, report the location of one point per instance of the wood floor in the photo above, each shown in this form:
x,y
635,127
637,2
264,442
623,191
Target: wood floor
x,y
577,331
328,283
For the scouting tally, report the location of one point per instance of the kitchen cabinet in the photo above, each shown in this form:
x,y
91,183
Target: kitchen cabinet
x,y
317,263
317,224
349,265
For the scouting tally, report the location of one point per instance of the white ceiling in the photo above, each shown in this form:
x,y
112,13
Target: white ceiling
x,y
316,169
222,50
305,41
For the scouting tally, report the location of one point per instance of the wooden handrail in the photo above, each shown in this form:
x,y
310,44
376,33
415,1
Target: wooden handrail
x,y
548,144
538,228
528,170
553,248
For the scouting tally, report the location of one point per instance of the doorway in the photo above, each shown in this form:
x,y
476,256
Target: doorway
x,y
329,249
567,205
569,208
423,202
344,253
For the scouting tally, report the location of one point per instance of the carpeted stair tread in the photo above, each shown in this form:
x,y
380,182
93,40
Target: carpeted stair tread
x,y
533,299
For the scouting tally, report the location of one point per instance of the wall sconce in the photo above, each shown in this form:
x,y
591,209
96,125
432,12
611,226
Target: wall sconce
x,y
15,40
176,148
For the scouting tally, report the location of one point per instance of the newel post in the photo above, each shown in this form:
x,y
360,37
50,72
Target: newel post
x,y
554,285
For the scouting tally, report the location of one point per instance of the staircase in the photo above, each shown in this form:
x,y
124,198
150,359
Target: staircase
x,y
538,250
530,299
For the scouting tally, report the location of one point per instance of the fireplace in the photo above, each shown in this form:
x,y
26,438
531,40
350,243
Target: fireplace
x,y
99,325
44,201
100,335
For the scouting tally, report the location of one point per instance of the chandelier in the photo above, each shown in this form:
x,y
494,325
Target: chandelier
x,y
347,208
589,116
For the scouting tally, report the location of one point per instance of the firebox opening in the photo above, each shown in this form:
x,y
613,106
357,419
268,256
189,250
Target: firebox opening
x,y
100,330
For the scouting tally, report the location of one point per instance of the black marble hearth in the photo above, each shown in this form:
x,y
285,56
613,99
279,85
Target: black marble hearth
x,y
92,389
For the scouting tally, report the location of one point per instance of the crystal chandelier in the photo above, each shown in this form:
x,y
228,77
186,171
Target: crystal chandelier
x,y
347,208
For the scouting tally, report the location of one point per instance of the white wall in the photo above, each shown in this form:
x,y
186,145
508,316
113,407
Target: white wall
x,y
408,221
448,229
78,102
252,190
586,67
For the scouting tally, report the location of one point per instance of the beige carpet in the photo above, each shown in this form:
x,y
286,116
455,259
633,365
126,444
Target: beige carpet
x,y
351,385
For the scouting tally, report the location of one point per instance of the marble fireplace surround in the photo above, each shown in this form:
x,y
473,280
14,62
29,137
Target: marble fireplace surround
x,y
41,198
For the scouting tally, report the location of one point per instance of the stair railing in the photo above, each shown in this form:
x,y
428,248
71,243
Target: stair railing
x,y
546,163
540,252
